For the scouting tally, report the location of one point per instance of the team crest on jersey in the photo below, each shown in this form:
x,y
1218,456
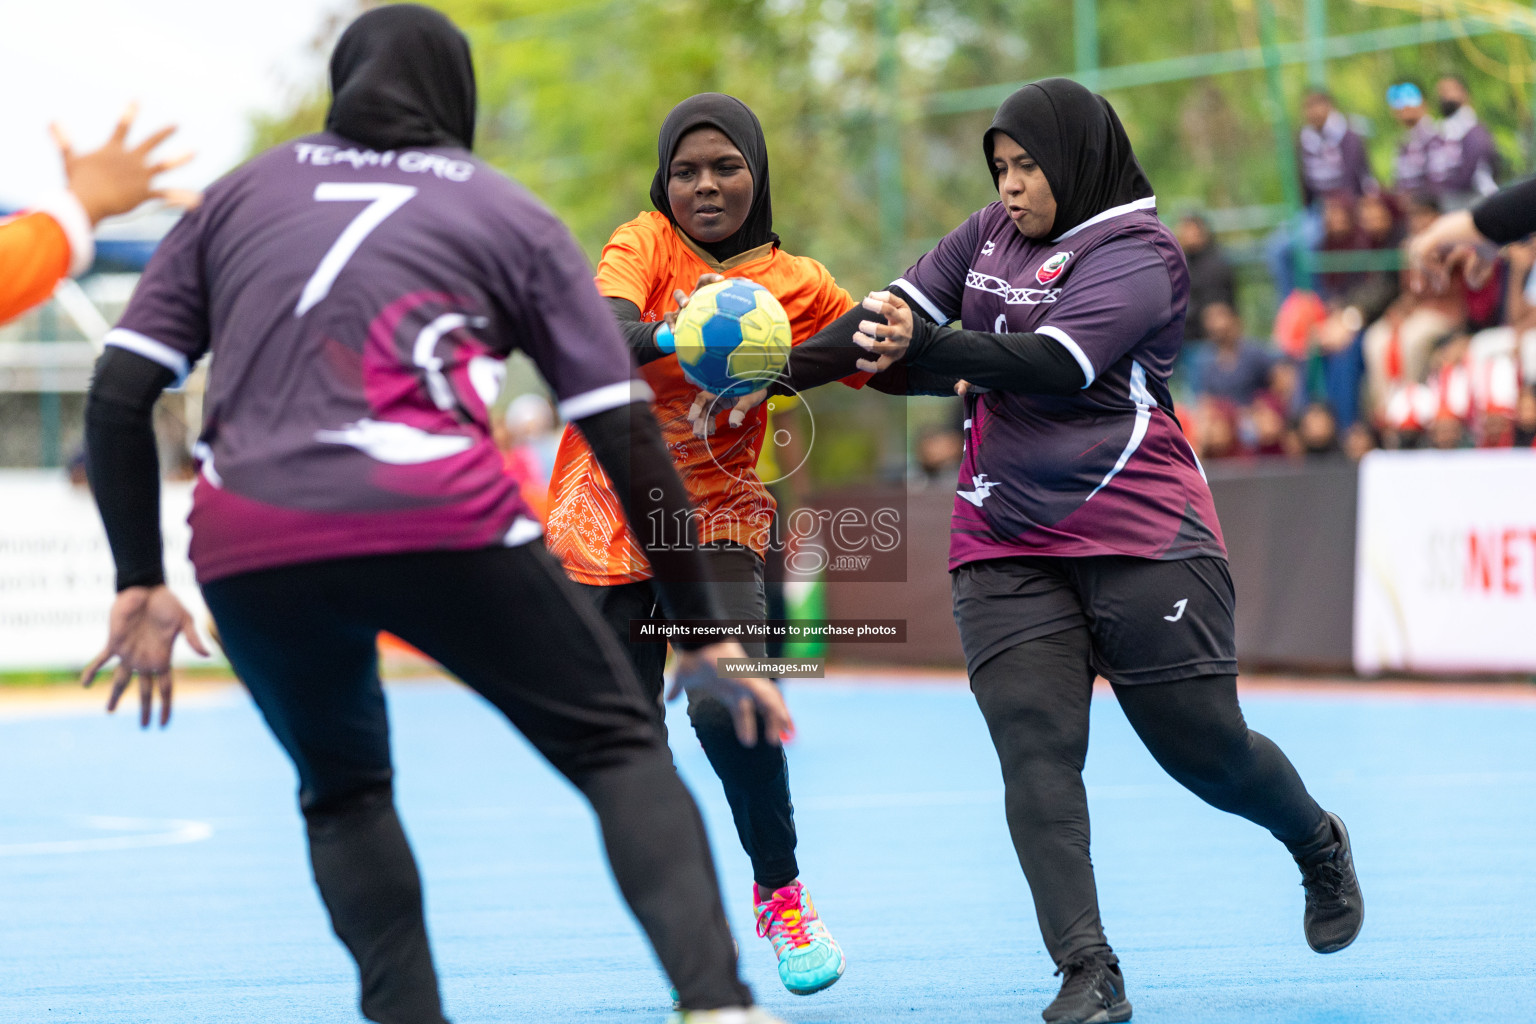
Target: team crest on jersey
x,y
986,250
1050,270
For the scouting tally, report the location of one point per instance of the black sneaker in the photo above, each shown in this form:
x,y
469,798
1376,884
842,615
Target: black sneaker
x,y
1335,907
1092,992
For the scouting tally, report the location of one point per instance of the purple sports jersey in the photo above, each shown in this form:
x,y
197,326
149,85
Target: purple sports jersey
x,y
358,306
1105,471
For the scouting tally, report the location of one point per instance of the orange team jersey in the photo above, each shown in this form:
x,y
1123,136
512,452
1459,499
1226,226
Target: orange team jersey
x,y
645,261
37,250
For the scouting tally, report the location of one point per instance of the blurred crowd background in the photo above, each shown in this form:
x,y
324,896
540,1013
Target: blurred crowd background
x,y
1295,145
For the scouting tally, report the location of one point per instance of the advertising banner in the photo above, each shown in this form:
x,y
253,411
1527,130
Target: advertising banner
x,y
56,575
1445,562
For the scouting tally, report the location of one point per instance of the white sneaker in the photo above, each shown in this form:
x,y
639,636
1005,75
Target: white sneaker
x,y
728,1015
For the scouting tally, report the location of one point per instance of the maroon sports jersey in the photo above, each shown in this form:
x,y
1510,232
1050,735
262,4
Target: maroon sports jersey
x,y
357,306
1105,471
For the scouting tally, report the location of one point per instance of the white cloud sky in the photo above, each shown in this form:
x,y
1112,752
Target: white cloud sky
x,y
205,65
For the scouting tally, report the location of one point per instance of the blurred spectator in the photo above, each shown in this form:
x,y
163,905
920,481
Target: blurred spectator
x,y
1524,434
1397,345
1446,432
1410,168
938,452
1381,228
1318,430
1359,439
1267,428
1422,208
1210,275
527,437
1216,426
1235,368
1464,164
1331,153
1340,234
1332,159
1285,385
75,470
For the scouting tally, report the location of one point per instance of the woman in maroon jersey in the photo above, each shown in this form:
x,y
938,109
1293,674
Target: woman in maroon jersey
x,y
361,287
1084,538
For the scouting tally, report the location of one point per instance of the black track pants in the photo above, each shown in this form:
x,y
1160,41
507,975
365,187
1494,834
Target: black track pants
x,y
755,779
1035,698
508,623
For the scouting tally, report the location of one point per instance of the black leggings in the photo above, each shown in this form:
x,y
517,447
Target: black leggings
x,y
1035,698
755,779
508,623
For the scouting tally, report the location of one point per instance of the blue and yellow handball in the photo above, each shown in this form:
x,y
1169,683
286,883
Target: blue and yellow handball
x,y
732,338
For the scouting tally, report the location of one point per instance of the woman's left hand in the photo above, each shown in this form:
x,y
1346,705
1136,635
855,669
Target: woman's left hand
x,y
888,341
141,631
682,298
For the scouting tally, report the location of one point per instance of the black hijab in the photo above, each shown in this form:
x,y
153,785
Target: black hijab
x,y
1076,138
735,120
402,76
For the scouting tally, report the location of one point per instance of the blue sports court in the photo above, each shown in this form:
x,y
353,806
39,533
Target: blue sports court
x,y
162,877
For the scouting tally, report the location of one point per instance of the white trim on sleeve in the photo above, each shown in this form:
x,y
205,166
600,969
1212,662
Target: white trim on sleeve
x,y
1144,406
939,316
523,530
1057,334
609,396
65,208
149,348
1149,203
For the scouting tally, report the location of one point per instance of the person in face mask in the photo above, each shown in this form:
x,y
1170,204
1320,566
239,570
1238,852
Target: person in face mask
x,y
363,288
1464,164
1084,540
1410,167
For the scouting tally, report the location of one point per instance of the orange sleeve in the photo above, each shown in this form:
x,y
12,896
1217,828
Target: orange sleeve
x,y
34,257
832,301
630,262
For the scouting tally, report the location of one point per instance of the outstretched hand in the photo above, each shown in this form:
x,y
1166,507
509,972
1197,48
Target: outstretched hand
x,y
705,409
141,631
888,341
1452,243
115,179
745,697
682,298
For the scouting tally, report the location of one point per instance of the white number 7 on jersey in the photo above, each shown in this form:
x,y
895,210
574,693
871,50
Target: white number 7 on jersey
x,y
382,199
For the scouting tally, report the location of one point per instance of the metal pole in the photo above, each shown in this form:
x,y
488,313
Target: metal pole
x,y
1285,146
1530,153
1316,31
50,412
1178,69
890,195
1085,41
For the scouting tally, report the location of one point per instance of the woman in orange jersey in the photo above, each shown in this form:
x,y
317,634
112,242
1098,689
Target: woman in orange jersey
x,y
713,216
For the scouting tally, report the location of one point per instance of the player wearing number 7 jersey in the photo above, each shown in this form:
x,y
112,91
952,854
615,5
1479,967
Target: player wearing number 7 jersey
x,y
359,290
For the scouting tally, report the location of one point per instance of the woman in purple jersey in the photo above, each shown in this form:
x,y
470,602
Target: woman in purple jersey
x,y
361,286
1084,538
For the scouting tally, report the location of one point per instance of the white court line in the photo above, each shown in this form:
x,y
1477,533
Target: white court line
x,y
960,797
171,832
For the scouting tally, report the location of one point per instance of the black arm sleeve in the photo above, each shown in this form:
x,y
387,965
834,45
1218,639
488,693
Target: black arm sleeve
x,y
638,335
1024,363
122,464
830,355
627,444
1509,214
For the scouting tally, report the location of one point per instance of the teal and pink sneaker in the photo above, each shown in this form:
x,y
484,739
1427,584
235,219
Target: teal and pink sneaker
x,y
809,958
